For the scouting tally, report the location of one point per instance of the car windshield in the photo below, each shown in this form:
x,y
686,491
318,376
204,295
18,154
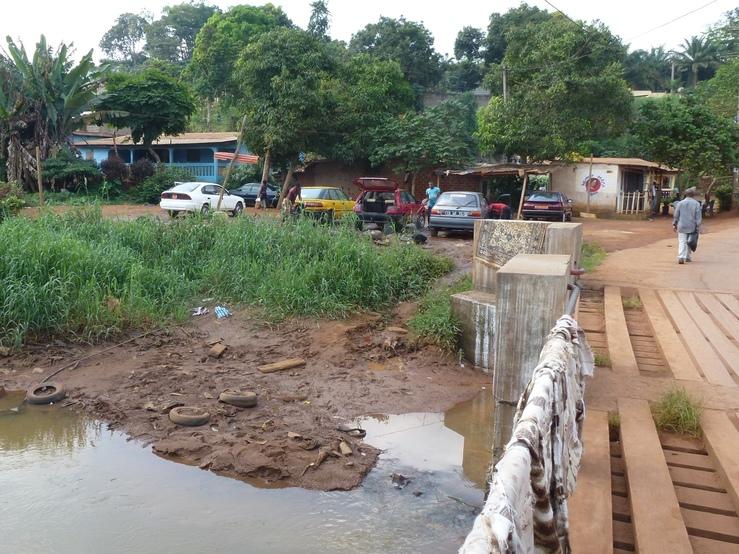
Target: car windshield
x,y
544,197
185,187
457,199
310,194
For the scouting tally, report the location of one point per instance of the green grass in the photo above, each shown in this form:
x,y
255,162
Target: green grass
x,y
592,256
435,321
602,360
81,276
632,303
677,412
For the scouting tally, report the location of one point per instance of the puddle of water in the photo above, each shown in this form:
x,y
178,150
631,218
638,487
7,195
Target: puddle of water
x,y
71,485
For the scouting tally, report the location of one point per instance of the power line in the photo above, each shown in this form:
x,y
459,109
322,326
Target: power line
x,y
671,20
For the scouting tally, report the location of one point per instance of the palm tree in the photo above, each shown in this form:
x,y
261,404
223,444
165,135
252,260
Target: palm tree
x,y
698,53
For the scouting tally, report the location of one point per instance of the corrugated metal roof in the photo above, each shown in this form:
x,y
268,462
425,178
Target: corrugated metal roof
x,y
170,140
547,166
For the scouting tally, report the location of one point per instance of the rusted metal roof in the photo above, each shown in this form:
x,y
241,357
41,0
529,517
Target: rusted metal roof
x,y
171,140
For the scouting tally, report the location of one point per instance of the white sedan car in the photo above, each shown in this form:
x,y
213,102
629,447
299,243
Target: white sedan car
x,y
199,197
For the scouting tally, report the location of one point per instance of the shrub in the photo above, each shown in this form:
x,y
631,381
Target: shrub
x,y
725,195
678,412
602,360
632,303
141,169
11,199
150,191
109,189
58,273
243,174
66,169
114,169
435,320
592,256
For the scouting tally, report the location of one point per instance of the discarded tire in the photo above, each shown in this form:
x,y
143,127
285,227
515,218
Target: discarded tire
x,y
45,393
241,399
189,416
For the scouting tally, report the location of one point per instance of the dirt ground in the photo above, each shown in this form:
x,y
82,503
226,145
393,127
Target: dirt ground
x,y
353,368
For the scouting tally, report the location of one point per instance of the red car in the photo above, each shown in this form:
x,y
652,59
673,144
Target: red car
x,y
384,203
547,205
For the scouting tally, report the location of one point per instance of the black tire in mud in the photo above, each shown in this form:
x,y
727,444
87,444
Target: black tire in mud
x,y
45,393
240,399
189,416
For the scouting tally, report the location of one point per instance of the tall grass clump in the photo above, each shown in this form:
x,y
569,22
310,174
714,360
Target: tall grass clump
x,y
79,275
435,320
592,255
677,412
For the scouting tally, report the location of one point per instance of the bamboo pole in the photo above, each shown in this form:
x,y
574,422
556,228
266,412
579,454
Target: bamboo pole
x,y
231,164
523,193
39,177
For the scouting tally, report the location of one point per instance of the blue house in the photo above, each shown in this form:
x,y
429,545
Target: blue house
x,y
193,152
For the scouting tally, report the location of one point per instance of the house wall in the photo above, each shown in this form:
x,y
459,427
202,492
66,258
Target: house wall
x,y
571,179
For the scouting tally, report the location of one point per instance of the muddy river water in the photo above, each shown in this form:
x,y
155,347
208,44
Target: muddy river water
x,y
70,485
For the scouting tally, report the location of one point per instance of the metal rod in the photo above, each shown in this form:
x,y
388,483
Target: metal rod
x,y
572,300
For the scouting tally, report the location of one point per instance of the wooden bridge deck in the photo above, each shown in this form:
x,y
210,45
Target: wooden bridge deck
x,y
640,490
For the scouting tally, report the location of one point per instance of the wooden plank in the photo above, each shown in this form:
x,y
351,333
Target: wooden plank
x,y
710,363
713,526
730,301
722,442
282,365
620,350
679,361
697,479
702,545
710,501
681,443
590,505
723,316
655,513
621,508
618,485
623,535
700,462
726,349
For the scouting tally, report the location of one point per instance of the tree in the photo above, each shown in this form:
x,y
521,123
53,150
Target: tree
x,y
683,132
468,44
565,86
725,35
222,39
43,99
286,106
461,76
407,42
319,19
150,103
172,37
442,136
698,53
124,41
648,69
721,91
496,41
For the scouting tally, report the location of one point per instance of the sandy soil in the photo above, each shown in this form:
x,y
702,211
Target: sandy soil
x,y
354,367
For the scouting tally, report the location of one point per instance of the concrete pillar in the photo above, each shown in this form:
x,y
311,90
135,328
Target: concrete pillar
x,y
475,311
532,292
564,238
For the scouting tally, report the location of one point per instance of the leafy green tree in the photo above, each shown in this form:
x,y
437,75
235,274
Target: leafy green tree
x,y
407,42
566,86
469,44
500,25
286,105
648,69
320,19
172,37
461,76
698,54
683,132
222,39
442,136
124,41
150,103
725,35
66,169
721,91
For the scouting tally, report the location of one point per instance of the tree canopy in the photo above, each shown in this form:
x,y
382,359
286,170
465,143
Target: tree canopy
x,y
469,44
648,69
721,91
500,25
320,19
407,42
223,38
172,37
149,102
566,86
124,41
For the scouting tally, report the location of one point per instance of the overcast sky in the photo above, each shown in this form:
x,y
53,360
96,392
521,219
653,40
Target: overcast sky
x,y
85,21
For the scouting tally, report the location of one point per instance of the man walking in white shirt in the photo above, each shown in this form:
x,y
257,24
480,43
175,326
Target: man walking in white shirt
x,y
687,220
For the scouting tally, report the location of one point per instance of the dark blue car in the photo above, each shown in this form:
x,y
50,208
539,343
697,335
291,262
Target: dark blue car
x,y
249,193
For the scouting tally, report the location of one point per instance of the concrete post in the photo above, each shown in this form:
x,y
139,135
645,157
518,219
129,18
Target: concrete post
x,y
532,292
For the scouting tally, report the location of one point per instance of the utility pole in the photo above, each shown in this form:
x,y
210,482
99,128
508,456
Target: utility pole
x,y
231,164
587,184
40,178
672,75
505,84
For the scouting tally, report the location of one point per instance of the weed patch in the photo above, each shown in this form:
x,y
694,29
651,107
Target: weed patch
x,y
435,321
602,360
79,275
677,412
632,303
592,256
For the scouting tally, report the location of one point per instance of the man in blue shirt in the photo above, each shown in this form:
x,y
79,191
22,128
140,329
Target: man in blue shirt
x,y
432,195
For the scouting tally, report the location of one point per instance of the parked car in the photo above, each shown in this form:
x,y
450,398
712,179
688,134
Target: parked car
x,y
382,202
547,205
325,203
457,211
250,191
199,197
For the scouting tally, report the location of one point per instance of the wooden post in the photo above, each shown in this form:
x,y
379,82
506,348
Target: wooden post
x,y
523,193
40,177
505,84
231,164
587,184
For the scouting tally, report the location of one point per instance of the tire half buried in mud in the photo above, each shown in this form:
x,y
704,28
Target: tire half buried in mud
x,y
240,399
45,393
189,416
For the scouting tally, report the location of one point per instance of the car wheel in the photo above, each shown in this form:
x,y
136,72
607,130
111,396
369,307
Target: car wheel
x,y
569,216
205,210
238,210
45,393
173,214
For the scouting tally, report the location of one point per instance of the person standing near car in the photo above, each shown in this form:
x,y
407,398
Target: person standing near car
x,y
288,203
654,194
432,195
262,196
687,221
